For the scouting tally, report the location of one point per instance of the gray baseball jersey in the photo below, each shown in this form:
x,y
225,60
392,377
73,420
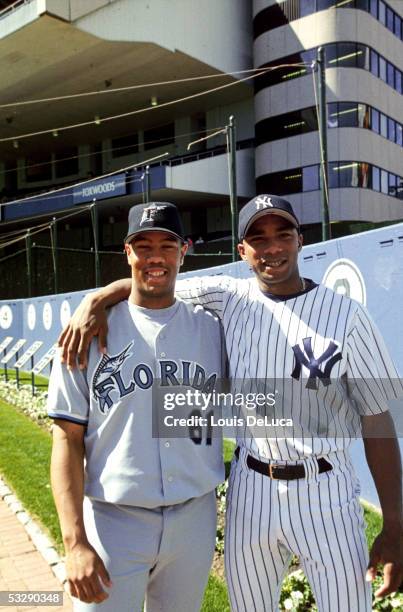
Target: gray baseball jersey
x,y
319,352
113,398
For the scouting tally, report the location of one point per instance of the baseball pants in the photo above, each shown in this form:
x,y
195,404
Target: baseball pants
x,y
318,518
161,556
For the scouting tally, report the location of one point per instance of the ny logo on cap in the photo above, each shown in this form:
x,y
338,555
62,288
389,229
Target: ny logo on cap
x,y
263,202
152,213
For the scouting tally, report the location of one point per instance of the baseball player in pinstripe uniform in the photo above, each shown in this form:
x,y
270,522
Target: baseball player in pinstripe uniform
x,y
324,357
148,526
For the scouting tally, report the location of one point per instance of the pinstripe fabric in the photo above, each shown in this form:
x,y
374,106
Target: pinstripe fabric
x,y
262,334
319,519
292,345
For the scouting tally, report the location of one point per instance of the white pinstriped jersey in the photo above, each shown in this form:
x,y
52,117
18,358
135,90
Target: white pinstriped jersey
x,y
294,345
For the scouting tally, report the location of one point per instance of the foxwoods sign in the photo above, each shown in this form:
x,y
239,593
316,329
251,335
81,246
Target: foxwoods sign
x,y
99,190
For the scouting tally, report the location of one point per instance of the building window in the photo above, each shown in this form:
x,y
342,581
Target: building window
x,y
382,69
282,12
343,174
399,134
384,125
382,12
159,137
125,145
39,168
310,178
390,75
375,123
384,182
391,130
376,178
66,163
374,63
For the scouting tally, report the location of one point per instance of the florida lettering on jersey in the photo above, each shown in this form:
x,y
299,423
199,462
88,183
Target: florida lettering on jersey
x,y
110,384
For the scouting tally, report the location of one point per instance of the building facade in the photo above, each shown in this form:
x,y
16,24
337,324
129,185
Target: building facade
x,y
114,85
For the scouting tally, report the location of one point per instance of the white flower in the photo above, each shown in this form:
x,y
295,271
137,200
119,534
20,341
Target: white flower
x,y
297,595
288,604
396,602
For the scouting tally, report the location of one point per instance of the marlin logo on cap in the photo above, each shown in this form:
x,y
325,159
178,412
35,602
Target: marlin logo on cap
x,y
263,202
151,213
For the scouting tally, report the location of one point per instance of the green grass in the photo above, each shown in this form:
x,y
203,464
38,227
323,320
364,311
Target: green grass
x,y
25,378
24,464
215,596
229,448
373,520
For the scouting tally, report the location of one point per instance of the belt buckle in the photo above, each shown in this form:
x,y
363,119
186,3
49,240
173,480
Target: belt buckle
x,y
271,467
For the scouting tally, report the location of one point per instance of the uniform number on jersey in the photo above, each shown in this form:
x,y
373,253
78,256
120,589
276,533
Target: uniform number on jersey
x,y
196,431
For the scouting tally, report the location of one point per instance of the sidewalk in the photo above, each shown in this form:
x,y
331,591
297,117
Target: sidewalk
x,y
22,567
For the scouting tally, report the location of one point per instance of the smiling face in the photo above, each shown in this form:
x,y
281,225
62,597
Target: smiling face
x,y
155,258
271,248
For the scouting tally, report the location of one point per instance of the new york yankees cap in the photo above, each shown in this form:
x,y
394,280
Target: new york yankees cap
x,y
261,205
155,216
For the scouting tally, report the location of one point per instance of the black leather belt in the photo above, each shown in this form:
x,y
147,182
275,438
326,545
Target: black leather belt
x,y
279,471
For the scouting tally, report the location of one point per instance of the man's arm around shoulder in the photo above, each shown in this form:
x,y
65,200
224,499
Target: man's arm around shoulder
x,y
84,566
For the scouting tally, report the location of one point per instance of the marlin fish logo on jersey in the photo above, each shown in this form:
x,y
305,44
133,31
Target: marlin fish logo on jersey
x,y
305,357
109,387
105,377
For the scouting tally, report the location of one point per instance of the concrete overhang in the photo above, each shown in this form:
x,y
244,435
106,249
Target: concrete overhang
x,y
47,56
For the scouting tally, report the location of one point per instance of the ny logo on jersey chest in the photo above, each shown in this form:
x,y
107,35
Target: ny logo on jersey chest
x,y
305,357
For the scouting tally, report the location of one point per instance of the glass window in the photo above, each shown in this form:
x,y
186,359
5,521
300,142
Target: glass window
x,y
331,55
398,26
362,4
66,162
399,134
398,81
310,178
332,115
307,7
399,188
384,182
390,75
374,63
347,114
389,19
391,130
375,121
382,12
364,175
363,116
39,168
376,178
324,4
382,68
384,125
363,57
333,175
349,54
159,136
348,174
125,145
392,181
374,8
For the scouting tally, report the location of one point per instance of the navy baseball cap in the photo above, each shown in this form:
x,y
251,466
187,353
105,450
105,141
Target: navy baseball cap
x,y
261,205
155,216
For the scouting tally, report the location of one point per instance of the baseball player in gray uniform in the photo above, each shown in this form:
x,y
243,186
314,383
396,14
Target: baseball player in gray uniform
x,y
324,359
138,512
